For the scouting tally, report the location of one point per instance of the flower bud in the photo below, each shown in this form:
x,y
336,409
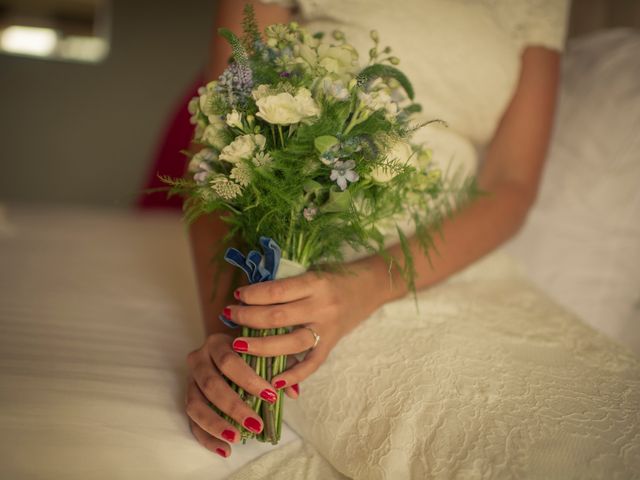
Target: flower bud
x,y
373,53
394,60
374,36
387,49
294,26
338,35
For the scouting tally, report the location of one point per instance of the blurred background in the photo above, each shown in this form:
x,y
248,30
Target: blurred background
x,y
87,95
84,129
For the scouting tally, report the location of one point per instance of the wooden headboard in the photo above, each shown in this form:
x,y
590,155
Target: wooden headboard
x,y
590,15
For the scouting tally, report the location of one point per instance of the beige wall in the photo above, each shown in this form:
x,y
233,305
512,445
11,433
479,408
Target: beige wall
x,y
72,133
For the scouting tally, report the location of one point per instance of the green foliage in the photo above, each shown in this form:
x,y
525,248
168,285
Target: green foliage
x,y
240,55
250,29
382,71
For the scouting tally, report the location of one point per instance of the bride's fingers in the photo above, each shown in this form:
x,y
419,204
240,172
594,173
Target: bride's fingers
x,y
276,291
209,442
301,370
270,316
198,410
300,340
292,391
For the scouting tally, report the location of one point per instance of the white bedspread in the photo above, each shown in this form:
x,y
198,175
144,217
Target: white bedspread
x,y
97,313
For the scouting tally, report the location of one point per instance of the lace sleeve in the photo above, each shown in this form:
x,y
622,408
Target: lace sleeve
x,y
536,22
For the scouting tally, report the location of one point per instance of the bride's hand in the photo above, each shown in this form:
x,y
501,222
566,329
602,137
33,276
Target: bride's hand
x,y
331,304
208,367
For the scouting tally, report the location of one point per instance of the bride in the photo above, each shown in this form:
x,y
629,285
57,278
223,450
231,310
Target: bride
x,y
462,384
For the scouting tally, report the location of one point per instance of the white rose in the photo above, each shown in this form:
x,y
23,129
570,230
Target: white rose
x,y
280,109
242,147
306,104
234,119
400,154
285,109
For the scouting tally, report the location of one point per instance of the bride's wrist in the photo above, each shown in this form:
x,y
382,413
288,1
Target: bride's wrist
x,y
382,283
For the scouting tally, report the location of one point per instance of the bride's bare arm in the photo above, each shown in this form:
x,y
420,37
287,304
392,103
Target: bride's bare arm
x,y
208,230
511,174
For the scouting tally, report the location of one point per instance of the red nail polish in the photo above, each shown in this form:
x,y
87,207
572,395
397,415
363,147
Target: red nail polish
x,y
221,452
269,395
227,312
252,424
240,346
296,388
236,294
279,383
229,435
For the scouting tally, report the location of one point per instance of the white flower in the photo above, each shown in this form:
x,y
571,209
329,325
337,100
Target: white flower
x,y
310,213
225,188
241,173
215,135
200,165
379,100
194,109
234,119
285,109
399,154
261,91
334,89
343,172
242,147
207,95
205,155
306,104
338,60
261,159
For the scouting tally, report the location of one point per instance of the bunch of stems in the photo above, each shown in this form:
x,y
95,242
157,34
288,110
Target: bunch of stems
x,y
267,368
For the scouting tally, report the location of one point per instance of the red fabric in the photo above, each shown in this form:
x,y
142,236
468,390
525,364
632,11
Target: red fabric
x,y
168,160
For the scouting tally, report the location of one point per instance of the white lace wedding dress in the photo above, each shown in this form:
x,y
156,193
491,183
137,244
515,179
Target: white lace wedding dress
x,y
489,379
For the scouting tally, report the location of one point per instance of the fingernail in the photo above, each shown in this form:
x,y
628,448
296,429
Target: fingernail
x,y
240,346
280,383
227,312
221,452
229,435
269,395
236,294
252,424
296,388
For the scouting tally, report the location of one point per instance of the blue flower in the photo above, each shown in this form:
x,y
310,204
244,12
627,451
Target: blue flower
x,y
343,172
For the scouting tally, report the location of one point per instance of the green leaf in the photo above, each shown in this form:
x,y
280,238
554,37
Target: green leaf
x,y
325,142
338,202
311,186
378,70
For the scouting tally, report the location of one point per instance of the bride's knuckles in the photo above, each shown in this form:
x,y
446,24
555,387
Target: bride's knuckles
x,y
288,344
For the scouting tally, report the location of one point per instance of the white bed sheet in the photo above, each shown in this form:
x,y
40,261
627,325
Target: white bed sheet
x,y
97,313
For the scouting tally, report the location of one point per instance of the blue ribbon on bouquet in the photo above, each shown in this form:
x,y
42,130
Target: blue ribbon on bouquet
x,y
259,267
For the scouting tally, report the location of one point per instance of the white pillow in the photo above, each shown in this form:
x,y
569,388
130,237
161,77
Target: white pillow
x,y
582,240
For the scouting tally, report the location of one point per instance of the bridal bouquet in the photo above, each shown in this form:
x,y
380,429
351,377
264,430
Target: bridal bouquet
x,y
306,152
